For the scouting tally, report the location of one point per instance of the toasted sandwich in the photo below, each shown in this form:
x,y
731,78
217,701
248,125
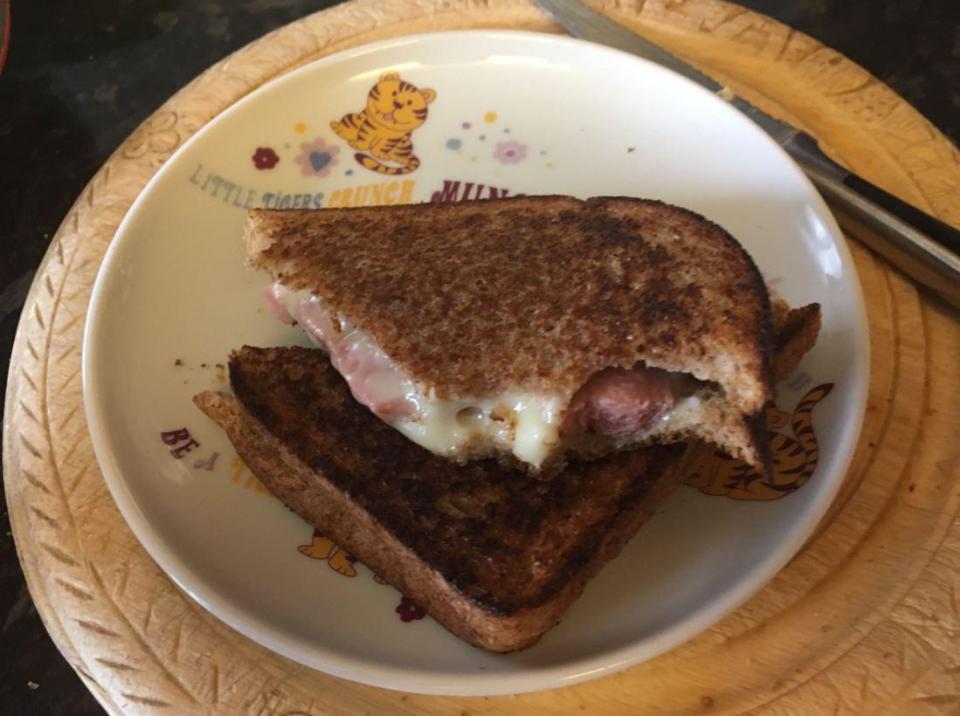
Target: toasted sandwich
x,y
491,553
531,328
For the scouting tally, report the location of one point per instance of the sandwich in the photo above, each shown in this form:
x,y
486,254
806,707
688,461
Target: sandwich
x,y
493,554
531,330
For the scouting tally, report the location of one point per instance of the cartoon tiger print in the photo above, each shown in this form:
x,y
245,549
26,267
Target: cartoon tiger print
x,y
794,458
322,547
394,109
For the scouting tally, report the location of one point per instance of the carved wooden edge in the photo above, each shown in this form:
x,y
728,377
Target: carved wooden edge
x,y
64,579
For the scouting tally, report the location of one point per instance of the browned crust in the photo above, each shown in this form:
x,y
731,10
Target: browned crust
x,y
533,293
796,331
493,555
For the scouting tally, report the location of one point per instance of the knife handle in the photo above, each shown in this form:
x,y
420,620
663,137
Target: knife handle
x,y
924,248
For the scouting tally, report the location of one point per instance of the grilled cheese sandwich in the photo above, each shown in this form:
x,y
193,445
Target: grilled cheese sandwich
x,y
642,323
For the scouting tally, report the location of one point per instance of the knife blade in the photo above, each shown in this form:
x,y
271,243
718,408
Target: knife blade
x,y
920,245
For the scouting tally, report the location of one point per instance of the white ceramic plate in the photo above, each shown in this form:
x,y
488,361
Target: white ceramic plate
x,y
509,113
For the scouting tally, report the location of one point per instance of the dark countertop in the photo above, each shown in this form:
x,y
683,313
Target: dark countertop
x,y
80,77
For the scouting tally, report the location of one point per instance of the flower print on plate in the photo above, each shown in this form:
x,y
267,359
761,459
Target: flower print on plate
x,y
265,158
317,158
510,152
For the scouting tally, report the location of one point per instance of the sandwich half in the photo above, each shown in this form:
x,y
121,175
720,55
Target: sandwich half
x,y
531,329
491,553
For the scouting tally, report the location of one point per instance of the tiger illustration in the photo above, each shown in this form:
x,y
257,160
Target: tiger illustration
x,y
321,547
394,109
794,458
240,474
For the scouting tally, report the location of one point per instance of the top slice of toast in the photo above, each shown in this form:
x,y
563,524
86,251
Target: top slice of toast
x,y
532,294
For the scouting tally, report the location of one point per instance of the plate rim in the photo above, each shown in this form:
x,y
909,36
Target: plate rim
x,y
473,683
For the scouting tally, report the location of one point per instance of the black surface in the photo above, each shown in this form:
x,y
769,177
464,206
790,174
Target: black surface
x,y
81,76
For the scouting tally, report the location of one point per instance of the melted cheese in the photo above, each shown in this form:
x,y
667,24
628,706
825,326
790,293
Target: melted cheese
x,y
524,424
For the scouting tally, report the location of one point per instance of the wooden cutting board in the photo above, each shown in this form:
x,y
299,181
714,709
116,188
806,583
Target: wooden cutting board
x,y
865,619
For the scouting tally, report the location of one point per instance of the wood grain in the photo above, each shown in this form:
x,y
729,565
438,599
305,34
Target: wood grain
x,y
865,619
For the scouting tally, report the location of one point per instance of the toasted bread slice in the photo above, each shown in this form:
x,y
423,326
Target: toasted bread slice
x,y
533,327
493,555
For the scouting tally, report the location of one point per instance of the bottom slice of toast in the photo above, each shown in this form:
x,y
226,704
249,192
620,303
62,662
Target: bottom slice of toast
x,y
492,554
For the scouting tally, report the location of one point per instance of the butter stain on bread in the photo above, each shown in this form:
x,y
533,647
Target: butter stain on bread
x,y
535,297
493,555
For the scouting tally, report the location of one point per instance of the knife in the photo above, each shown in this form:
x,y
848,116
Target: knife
x,y
920,245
